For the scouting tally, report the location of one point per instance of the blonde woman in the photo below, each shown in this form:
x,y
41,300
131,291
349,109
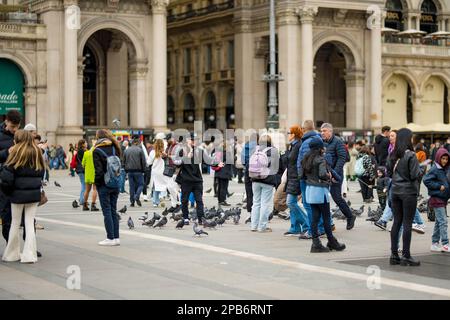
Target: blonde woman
x,y
159,180
22,181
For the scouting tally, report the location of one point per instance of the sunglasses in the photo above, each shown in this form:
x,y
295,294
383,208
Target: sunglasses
x,y
289,132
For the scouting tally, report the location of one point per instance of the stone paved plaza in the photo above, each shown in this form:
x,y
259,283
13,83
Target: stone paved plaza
x,y
231,263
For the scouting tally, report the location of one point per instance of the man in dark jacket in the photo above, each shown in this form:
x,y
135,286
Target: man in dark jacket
x,y
188,158
381,146
336,156
7,131
249,149
135,164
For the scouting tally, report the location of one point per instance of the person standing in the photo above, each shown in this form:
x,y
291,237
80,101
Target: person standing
x,y
238,163
123,174
89,180
367,179
249,149
173,187
22,177
106,147
223,175
263,186
135,164
351,176
147,148
382,145
299,219
79,169
405,171
319,177
159,180
336,156
71,153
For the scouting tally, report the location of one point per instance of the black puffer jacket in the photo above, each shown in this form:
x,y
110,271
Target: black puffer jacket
x,y
79,156
6,142
293,182
319,176
22,185
405,178
100,162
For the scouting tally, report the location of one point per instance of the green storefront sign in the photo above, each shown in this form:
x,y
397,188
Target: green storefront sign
x,y
11,87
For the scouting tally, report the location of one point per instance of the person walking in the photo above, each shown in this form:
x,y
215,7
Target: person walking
x,y
319,177
135,164
223,174
156,160
263,169
381,146
238,163
367,178
21,177
107,147
123,174
299,219
71,156
79,169
351,176
404,169
89,180
438,184
249,149
172,149
336,156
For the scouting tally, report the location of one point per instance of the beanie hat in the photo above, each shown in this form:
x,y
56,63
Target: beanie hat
x,y
30,127
316,144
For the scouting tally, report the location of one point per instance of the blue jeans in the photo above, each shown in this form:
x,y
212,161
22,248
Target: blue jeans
x,y
299,219
156,195
262,205
83,187
136,180
440,227
108,201
308,208
123,177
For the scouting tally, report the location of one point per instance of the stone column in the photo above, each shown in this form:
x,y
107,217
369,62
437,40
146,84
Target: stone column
x,y
30,105
80,73
138,111
354,80
307,15
101,99
289,65
375,75
159,69
417,108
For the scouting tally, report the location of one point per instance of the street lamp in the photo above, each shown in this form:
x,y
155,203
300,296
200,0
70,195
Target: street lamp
x,y
272,77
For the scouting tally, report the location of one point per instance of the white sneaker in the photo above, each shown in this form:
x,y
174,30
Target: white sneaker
x,y
435,247
117,242
419,228
445,249
145,198
107,242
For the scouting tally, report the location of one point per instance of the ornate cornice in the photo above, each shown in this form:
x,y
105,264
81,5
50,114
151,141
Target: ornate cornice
x,y
307,13
287,17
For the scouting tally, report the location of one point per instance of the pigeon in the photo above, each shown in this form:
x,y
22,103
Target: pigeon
x,y
165,212
358,212
149,223
197,231
209,190
209,224
349,203
130,223
176,217
123,210
156,216
180,224
161,223
75,204
57,184
144,217
236,219
221,221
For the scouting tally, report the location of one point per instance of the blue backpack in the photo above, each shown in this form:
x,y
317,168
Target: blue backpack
x,y
113,166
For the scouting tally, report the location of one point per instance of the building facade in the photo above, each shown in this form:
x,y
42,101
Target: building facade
x,y
88,62
338,65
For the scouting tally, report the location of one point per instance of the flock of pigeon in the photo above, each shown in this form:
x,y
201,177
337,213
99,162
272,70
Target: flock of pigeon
x,y
212,218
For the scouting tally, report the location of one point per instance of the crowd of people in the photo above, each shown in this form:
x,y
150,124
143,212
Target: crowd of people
x,y
314,169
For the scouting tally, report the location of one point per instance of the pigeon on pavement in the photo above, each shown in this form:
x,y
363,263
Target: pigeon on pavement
x,y
144,217
75,204
161,223
180,224
123,210
57,184
197,231
130,223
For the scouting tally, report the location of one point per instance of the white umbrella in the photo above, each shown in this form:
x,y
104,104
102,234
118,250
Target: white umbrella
x,y
386,30
412,33
438,35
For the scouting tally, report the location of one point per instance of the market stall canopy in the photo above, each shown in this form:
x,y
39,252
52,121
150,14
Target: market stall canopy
x,y
411,33
438,35
431,128
388,31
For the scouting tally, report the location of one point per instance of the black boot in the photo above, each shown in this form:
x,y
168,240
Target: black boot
x,y
317,246
86,207
94,208
333,244
394,259
410,261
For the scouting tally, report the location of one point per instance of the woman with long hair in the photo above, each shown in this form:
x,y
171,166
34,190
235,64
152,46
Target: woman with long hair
x,y
79,169
405,171
159,180
105,147
21,179
319,178
89,180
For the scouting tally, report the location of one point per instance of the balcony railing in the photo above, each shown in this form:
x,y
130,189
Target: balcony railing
x,y
416,49
201,12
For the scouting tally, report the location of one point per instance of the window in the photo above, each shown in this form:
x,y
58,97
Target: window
x,y
170,110
428,19
187,61
169,64
231,54
189,109
394,19
208,58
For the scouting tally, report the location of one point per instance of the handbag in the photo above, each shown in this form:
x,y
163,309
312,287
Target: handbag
x,y
44,198
169,170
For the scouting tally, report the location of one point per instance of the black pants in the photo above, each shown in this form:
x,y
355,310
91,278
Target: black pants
x,y
216,186
197,190
249,193
240,174
404,209
147,177
222,189
321,211
382,198
366,191
336,194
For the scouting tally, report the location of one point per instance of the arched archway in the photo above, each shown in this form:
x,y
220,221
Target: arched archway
x,y
170,110
210,112
230,113
397,110
188,108
434,103
338,86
